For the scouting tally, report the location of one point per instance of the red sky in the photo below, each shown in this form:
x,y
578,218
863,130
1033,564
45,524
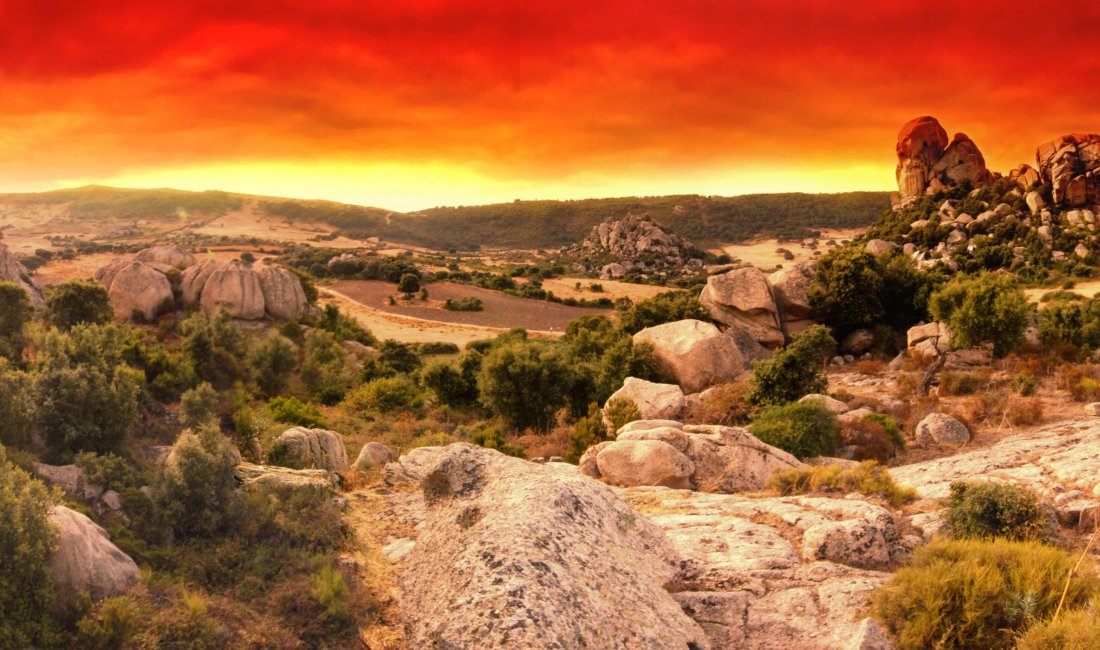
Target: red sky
x,y
415,103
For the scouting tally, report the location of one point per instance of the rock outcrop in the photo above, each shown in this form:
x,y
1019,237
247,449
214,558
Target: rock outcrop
x,y
302,448
11,270
743,298
373,454
928,163
697,354
137,290
522,555
635,244
271,476
1071,164
193,279
654,401
166,257
284,298
710,458
790,288
234,287
86,561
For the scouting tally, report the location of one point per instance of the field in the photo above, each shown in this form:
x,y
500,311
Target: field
x,y
762,253
613,289
501,311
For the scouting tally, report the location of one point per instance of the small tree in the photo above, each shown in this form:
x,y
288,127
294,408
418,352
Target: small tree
x,y
15,311
794,371
408,285
195,487
272,362
197,406
27,541
663,308
78,301
990,308
326,371
804,429
17,405
524,383
588,431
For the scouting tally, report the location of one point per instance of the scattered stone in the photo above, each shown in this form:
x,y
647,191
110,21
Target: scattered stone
x,y
654,401
303,448
879,247
942,429
373,454
834,405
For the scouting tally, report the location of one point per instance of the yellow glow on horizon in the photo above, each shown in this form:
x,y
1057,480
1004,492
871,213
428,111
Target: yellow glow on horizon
x,y
408,187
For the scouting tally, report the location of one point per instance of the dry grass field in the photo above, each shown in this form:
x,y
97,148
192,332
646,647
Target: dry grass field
x,y
762,254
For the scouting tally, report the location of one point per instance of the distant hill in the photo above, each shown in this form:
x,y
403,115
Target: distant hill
x,y
521,224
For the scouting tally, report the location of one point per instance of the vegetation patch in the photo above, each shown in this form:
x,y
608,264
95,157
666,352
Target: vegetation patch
x,y
868,478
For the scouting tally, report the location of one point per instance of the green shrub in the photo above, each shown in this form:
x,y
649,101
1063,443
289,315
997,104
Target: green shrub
x,y
805,429
110,471
1072,630
464,304
84,408
868,478
985,509
990,308
436,347
525,383
794,371
17,405
725,404
331,593
979,595
78,302
195,487
292,410
621,411
663,308
326,371
963,382
197,406
450,383
15,311
386,396
272,362
1025,384
587,431
490,437
27,540
111,626
215,347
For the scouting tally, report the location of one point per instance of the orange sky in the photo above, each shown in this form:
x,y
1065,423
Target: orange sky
x,y
415,103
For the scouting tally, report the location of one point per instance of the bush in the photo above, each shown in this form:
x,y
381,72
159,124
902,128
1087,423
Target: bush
x,y
110,471
197,406
84,408
451,385
215,347
15,310
875,437
725,404
78,302
272,362
1028,410
17,405
990,308
986,509
27,540
195,488
490,437
978,595
385,396
667,307
1025,384
620,412
794,371
588,431
1074,630
326,371
805,429
408,284
291,410
869,478
963,382
436,347
464,304
525,383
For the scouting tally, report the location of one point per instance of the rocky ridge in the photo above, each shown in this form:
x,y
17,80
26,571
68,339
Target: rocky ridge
x,y
635,244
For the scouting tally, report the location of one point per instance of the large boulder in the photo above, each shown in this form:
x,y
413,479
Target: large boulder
x,y
1071,164
644,462
284,298
743,298
11,270
193,279
521,555
654,401
138,290
920,143
929,339
166,257
86,561
942,429
790,286
235,287
302,448
373,454
961,162
697,354
249,475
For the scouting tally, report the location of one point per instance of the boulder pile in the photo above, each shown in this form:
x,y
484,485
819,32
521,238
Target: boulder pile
x,y
928,163
635,244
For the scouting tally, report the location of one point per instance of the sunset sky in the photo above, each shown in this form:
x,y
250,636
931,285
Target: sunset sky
x,y
415,103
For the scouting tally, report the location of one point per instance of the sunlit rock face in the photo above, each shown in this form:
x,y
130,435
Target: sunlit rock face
x,y
928,163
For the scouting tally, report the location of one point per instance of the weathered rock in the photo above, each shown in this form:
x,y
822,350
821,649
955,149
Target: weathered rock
x,y
86,561
302,448
743,298
879,247
166,257
635,243
587,464
1025,176
1071,164
644,462
234,287
515,554
921,141
11,270
1035,202
264,476
961,162
193,279
137,290
654,401
870,636
697,354
373,454
71,479
284,298
612,271
834,405
858,341
930,339
941,429
747,346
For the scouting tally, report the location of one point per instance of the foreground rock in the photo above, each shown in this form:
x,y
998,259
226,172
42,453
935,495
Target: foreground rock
x,y
12,271
695,353
743,298
941,429
86,561
373,454
790,287
302,448
515,554
654,401
699,457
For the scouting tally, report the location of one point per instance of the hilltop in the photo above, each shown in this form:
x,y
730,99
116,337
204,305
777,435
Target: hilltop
x,y
516,225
